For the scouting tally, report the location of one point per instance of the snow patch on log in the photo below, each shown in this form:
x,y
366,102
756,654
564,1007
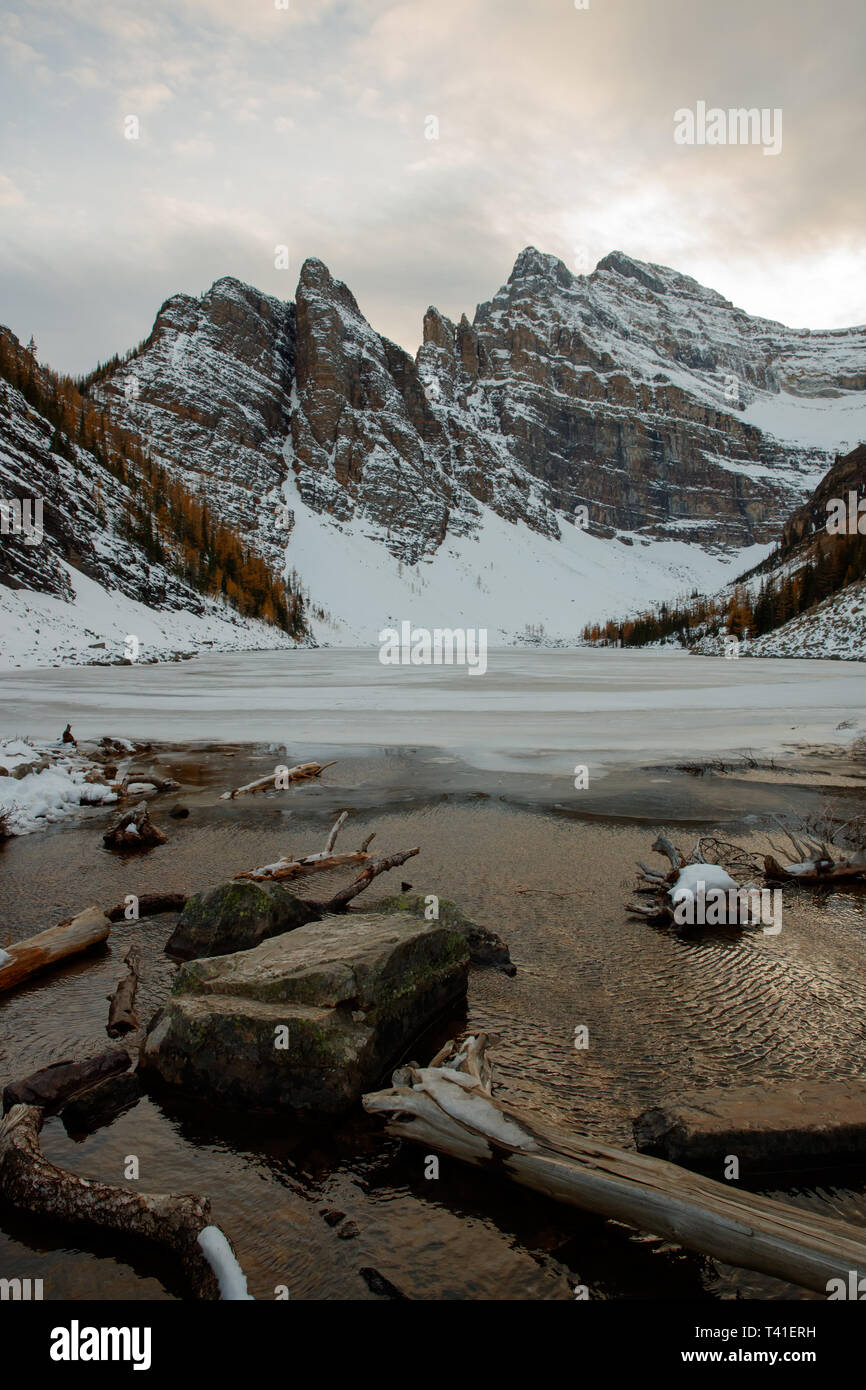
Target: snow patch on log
x,y
221,1258
710,875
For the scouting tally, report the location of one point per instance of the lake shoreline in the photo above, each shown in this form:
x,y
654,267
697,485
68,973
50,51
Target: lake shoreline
x,y
526,847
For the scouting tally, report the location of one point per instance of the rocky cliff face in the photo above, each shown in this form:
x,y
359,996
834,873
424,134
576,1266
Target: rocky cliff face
x,y
624,391
210,394
629,392
83,507
102,554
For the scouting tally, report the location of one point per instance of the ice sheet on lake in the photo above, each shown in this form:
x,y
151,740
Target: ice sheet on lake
x,y
531,711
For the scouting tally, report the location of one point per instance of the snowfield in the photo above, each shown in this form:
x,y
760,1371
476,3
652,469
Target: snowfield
x,y
832,423
40,630
519,585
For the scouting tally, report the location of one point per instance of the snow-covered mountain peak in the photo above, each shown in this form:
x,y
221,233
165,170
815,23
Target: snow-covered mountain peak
x,y
632,397
534,265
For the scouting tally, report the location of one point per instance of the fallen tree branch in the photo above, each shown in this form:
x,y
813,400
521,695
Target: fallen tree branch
x,y
300,773
378,866
134,830
549,892
149,905
819,870
53,1086
25,958
30,1182
122,1017
663,845
450,1107
312,863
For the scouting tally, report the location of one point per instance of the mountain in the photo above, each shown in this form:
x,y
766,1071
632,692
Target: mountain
x,y
807,598
449,486
583,443
120,548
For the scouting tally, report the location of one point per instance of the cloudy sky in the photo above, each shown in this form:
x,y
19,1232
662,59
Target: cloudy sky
x,y
305,123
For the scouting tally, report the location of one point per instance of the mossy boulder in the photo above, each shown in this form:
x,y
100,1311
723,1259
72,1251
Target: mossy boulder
x,y
309,1020
236,916
485,947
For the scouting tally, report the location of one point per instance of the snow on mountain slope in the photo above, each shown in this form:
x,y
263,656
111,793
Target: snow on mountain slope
x,y
834,629
209,394
681,423
98,570
626,391
832,423
92,626
505,577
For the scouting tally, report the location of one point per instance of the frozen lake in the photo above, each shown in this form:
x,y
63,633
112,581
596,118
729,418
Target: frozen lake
x,y
530,711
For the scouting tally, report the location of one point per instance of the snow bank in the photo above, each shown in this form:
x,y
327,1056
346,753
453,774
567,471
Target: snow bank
x,y
39,630
45,794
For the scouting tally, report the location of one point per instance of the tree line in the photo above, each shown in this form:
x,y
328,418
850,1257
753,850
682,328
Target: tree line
x,y
171,525
833,562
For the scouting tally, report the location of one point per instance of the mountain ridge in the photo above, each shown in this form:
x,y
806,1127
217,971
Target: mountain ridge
x,y
630,408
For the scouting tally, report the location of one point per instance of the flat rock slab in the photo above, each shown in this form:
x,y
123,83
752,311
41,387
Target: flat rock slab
x,y
308,1020
789,1126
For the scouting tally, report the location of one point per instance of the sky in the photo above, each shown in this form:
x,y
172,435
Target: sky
x,y
416,146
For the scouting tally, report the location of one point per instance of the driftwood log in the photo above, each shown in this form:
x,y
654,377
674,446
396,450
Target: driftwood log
x,y
102,1103
816,861
302,772
818,870
25,958
122,1017
312,863
341,900
149,905
53,1086
31,1183
449,1106
149,779
134,830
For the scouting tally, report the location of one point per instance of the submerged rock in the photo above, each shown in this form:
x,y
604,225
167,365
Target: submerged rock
x,y
485,947
307,1020
236,916
785,1126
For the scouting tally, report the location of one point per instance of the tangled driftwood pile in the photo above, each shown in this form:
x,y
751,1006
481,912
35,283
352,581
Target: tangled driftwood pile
x,y
816,863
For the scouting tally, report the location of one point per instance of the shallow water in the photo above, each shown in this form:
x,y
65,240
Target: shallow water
x,y
664,1015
